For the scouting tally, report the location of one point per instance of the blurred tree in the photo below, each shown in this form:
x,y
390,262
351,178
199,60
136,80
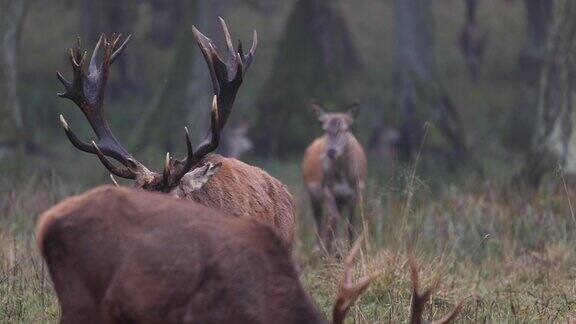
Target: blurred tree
x,y
316,59
472,41
521,122
167,16
420,96
12,134
554,143
263,5
538,20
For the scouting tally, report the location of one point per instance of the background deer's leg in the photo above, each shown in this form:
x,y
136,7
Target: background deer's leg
x,y
350,208
331,228
317,213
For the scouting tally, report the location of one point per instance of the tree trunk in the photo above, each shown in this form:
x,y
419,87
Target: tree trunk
x,y
11,124
538,19
316,59
554,143
472,40
420,96
521,126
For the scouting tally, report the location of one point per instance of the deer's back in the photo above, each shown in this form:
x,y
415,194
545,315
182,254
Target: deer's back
x,y
149,258
248,191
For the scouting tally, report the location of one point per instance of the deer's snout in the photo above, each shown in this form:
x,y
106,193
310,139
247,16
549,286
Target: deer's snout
x,y
331,153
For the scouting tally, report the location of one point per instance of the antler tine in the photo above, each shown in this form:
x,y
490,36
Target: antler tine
x,y
231,50
227,76
121,172
73,89
210,55
450,317
92,67
120,48
166,172
420,299
82,146
350,291
210,144
183,166
247,59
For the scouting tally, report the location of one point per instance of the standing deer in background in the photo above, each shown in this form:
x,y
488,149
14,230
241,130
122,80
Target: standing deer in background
x,y
210,179
119,255
334,169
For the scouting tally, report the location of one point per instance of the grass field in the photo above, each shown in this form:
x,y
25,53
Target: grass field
x,y
508,254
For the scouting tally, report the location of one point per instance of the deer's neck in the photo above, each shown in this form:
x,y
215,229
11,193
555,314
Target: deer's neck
x,y
338,169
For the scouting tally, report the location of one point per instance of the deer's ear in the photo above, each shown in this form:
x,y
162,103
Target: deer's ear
x,y
318,111
211,169
353,110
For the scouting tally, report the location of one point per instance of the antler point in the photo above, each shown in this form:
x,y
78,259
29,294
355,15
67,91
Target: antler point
x,y
114,180
63,121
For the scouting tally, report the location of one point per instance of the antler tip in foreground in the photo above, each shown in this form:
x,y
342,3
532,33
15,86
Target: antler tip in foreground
x,y
350,291
95,146
114,180
420,299
121,47
354,250
215,107
63,80
166,172
196,32
63,122
254,41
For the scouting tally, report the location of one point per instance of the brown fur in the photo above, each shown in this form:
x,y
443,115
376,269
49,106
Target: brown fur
x,y
312,165
119,255
247,191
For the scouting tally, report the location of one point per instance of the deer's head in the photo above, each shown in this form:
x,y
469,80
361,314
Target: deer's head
x,y
87,90
336,128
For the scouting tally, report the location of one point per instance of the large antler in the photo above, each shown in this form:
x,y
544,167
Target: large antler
x,y
87,92
350,291
420,299
227,76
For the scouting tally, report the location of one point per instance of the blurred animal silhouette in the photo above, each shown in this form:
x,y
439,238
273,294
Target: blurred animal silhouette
x,y
334,170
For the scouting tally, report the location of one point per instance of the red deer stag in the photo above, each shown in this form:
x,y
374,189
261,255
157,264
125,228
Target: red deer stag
x,y
219,182
334,170
119,255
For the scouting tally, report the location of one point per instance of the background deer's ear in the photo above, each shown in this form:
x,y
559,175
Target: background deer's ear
x,y
318,111
353,110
